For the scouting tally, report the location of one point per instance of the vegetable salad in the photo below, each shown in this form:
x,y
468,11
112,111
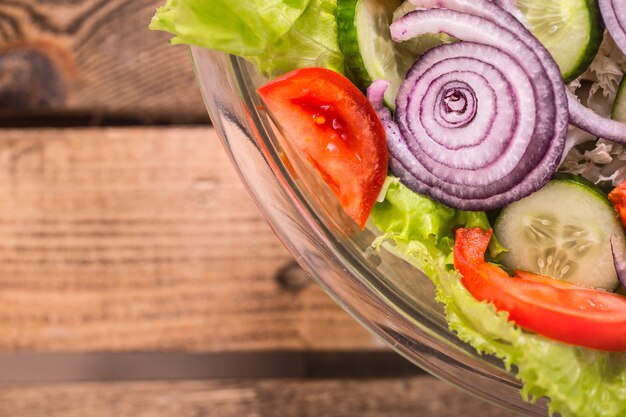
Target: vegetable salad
x,y
479,138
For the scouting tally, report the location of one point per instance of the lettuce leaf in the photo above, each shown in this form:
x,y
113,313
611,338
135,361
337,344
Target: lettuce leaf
x,y
421,222
579,382
275,35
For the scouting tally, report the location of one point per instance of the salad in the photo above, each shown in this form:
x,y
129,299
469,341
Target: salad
x,y
480,139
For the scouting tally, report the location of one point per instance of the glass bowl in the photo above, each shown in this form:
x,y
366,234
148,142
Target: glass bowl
x,y
389,297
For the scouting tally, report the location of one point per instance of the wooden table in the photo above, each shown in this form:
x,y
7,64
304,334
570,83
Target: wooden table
x,y
136,276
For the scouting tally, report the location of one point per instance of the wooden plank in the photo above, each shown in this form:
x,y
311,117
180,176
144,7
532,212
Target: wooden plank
x,y
95,56
144,239
54,367
419,396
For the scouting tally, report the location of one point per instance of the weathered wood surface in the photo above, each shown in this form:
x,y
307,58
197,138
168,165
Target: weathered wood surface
x,y
410,397
94,56
145,239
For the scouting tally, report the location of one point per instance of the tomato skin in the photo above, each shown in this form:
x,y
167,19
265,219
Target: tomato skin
x,y
329,120
618,198
558,310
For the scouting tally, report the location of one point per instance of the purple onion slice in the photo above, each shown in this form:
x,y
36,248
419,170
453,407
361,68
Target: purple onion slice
x,y
589,121
618,250
479,123
511,7
614,16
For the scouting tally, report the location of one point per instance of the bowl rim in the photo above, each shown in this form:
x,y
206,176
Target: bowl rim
x,y
338,271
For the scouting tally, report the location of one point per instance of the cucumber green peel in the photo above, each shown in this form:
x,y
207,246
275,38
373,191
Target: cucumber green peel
x,y
583,182
619,107
562,231
364,39
349,45
369,52
572,30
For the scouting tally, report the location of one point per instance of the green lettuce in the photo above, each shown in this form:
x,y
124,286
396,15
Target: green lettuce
x,y
277,36
579,382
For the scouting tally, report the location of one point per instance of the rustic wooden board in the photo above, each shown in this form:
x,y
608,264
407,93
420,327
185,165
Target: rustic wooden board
x,y
144,239
94,56
420,396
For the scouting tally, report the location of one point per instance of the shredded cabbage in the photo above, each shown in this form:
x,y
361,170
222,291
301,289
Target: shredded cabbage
x,y
605,72
605,162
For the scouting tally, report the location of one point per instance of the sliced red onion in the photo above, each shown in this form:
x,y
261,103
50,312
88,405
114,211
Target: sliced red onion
x,y
618,250
511,7
508,5
481,123
487,11
614,15
589,121
575,137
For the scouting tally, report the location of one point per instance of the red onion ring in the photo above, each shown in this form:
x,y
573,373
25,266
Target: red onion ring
x,y
614,16
618,250
591,122
511,7
503,137
580,116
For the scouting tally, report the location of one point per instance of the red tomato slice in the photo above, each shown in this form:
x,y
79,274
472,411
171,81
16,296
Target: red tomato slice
x,y
558,310
618,199
334,125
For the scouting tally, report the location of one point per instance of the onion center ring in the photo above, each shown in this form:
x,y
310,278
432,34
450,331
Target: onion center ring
x,y
457,105
479,123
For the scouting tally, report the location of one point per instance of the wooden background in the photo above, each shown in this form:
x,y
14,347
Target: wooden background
x,y
136,276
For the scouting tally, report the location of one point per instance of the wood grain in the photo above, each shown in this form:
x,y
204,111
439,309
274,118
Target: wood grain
x,y
420,396
104,60
144,239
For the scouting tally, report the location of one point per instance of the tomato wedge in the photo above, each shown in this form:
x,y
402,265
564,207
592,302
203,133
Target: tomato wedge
x,y
618,198
556,309
333,124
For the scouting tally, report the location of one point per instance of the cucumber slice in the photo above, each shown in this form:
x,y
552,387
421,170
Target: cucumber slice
x,y
571,30
562,231
369,52
619,106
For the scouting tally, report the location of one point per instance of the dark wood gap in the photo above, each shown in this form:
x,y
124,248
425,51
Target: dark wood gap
x,y
56,119
72,367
